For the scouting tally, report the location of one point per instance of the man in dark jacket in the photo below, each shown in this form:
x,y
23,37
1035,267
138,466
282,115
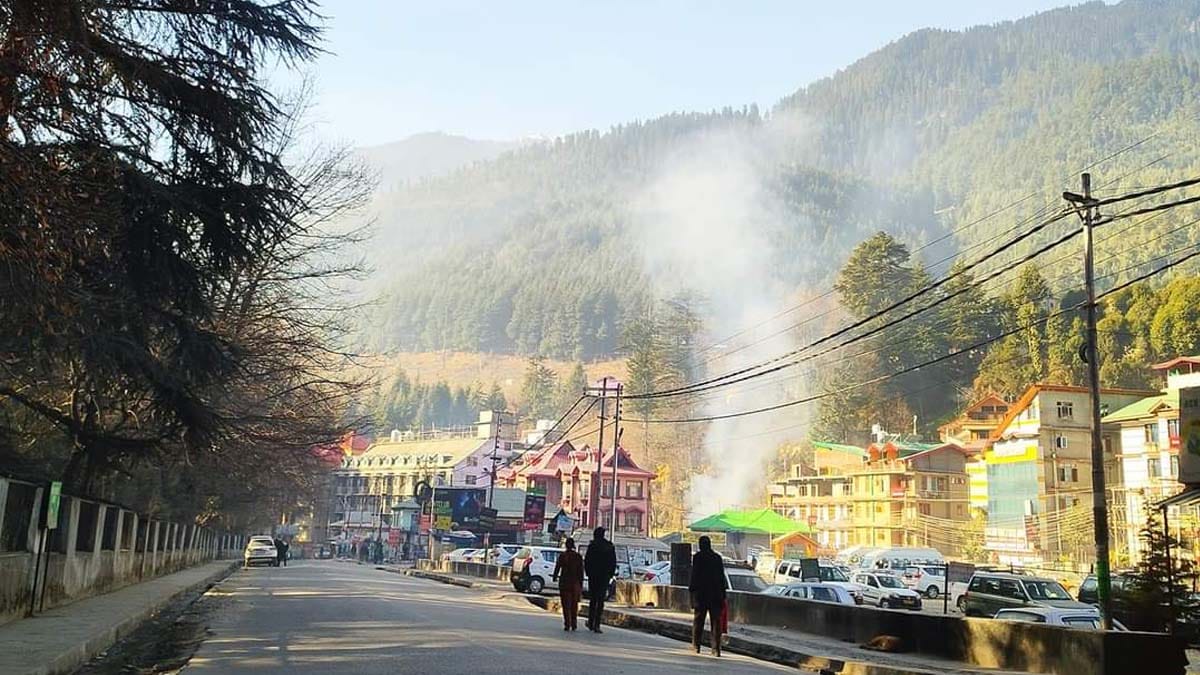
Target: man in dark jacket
x,y
600,563
708,594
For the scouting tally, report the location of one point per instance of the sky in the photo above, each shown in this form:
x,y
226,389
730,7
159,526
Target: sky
x,y
509,69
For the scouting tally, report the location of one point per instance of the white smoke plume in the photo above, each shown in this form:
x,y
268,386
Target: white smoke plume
x,y
708,223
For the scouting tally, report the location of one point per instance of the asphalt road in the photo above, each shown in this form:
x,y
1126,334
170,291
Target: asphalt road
x,y
333,617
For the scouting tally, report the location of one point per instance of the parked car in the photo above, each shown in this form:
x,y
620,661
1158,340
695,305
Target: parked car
x,y
1055,616
789,571
744,580
1089,590
460,554
928,580
990,592
260,550
808,590
886,590
533,568
659,573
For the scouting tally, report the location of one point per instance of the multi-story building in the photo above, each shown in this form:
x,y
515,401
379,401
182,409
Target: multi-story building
x,y
367,486
910,495
820,494
1146,434
973,428
566,474
887,494
1039,474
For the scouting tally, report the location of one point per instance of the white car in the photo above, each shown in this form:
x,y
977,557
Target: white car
x,y
260,550
1056,616
658,574
886,590
790,572
533,569
460,554
744,580
807,590
928,580
502,554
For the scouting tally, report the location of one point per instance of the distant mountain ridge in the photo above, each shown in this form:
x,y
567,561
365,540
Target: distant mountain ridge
x,y
540,249
429,155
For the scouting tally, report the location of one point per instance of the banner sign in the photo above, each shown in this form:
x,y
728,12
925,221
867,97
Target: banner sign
x,y
1189,435
53,500
535,511
443,511
465,507
564,523
487,519
393,537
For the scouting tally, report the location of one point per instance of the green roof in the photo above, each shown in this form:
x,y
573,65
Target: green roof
x,y
1142,408
838,447
912,447
761,521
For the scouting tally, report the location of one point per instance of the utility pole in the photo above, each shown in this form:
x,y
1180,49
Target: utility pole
x,y
594,510
1099,504
616,456
497,421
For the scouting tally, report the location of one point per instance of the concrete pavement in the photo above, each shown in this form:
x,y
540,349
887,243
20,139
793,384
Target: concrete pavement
x,y
64,638
329,617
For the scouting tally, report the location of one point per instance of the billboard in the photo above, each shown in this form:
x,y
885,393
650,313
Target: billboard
x,y
458,509
535,511
1189,435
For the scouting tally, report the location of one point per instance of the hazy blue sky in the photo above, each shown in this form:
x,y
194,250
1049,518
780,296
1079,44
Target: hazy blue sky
x,y
509,68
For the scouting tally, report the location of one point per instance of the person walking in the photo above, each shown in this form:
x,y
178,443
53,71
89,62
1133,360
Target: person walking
x,y
600,563
707,588
281,549
568,574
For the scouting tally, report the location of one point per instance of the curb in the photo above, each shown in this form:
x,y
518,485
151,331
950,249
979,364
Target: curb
x,y
434,576
73,658
738,645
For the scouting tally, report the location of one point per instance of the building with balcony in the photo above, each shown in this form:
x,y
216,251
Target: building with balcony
x,y
1146,445
888,494
1039,474
975,425
567,476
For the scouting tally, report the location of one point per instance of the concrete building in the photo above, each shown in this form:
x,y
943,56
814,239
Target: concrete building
x,y
888,494
1147,445
1039,475
973,428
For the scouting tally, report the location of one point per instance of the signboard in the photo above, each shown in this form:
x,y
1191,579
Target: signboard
x,y
564,523
810,569
717,538
487,519
1189,435
393,538
535,511
53,500
443,511
465,505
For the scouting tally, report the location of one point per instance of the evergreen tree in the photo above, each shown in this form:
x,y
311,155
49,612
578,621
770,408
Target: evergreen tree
x,y
571,387
1146,600
538,390
496,399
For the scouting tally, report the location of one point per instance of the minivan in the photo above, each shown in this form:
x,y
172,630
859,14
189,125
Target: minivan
x,y
990,592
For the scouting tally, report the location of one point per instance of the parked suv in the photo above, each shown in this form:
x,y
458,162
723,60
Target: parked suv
x,y
991,592
789,571
533,567
1089,590
260,550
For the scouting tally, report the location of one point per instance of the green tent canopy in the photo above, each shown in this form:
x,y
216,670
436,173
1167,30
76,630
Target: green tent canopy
x,y
763,521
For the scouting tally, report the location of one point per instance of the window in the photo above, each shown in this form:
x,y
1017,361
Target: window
x,y
85,536
1173,428
1060,441
1068,474
1066,410
470,479
1075,477
823,594
606,487
633,489
1153,468
633,520
108,539
1011,589
1174,467
1151,432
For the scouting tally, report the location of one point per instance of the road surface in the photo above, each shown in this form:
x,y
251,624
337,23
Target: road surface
x,y
334,617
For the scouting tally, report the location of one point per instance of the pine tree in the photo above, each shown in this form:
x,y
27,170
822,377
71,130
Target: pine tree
x,y
1159,589
538,389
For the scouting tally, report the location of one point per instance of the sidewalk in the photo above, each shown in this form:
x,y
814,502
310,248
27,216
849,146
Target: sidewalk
x,y
64,638
808,653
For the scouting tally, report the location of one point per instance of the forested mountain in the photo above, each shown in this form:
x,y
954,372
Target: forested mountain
x,y
543,250
429,154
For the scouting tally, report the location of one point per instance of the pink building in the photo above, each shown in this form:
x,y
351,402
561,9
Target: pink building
x,y
566,474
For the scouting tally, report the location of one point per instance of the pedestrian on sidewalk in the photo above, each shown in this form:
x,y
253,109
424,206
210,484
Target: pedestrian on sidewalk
x,y
600,563
568,574
281,549
708,594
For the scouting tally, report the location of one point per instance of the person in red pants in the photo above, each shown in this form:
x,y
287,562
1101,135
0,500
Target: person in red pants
x,y
568,573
